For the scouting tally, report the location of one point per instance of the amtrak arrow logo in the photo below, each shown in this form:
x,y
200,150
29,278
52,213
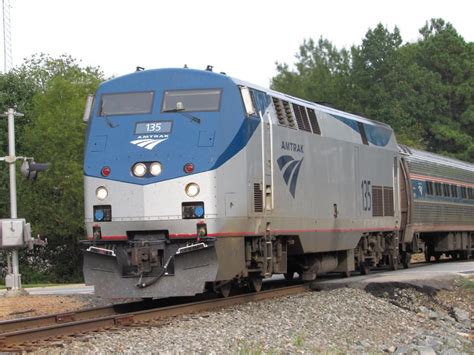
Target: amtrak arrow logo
x,y
147,143
290,168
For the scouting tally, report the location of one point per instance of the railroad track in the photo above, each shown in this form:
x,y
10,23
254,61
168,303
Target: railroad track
x,y
25,334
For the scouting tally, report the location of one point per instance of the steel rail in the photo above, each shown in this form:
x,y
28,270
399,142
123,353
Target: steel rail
x,y
39,332
52,319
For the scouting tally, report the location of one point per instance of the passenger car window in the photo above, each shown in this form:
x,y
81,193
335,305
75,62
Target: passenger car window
x,y
446,191
429,188
130,103
454,191
470,193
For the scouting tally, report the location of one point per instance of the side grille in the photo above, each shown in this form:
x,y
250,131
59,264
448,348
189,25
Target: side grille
x,y
289,114
388,209
301,117
284,113
377,201
314,121
279,111
382,201
257,198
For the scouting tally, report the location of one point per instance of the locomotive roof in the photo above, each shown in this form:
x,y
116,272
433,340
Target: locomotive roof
x,y
319,107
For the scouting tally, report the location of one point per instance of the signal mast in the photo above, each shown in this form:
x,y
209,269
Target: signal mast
x,y
7,37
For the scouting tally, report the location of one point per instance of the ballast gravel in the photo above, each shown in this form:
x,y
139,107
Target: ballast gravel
x,y
337,321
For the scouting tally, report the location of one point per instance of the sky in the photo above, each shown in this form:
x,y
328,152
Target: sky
x,y
243,38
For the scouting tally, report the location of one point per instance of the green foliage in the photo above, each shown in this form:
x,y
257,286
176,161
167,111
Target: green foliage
x,y
321,73
424,90
52,131
466,283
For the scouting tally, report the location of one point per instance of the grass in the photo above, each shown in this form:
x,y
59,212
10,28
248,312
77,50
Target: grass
x,y
299,341
467,283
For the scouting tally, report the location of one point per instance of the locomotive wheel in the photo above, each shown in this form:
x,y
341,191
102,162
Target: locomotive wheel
x,y
223,288
393,262
255,283
364,268
406,260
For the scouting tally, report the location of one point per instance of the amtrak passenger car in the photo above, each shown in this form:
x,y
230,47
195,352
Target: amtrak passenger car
x,y
195,180
439,214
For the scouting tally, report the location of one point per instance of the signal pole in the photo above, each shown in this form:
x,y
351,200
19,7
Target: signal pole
x,y
15,233
7,38
13,276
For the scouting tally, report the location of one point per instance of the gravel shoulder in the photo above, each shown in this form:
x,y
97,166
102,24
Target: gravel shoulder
x,y
390,319
37,305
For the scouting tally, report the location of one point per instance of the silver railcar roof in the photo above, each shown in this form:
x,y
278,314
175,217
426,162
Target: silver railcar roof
x,y
419,155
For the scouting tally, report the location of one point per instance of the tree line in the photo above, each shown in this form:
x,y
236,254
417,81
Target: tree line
x,y
424,90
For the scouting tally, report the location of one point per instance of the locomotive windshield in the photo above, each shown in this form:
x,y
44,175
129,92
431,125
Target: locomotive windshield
x,y
191,100
131,103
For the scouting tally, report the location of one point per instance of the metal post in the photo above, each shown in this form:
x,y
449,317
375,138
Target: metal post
x,y
12,161
15,276
9,263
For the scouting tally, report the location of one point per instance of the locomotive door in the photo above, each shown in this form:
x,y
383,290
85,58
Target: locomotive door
x,y
267,160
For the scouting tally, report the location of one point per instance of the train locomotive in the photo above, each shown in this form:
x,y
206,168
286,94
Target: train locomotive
x,y
197,181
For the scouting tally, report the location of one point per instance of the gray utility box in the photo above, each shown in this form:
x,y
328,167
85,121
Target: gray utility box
x,y
14,233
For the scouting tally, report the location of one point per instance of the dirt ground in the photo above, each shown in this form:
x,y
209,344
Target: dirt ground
x,y
30,306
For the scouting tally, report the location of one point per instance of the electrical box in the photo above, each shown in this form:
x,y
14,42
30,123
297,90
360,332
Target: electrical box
x,y
14,233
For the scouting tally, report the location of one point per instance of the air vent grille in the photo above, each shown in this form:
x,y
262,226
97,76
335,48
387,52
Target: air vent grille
x,y
289,114
377,201
280,111
301,118
388,209
314,121
257,198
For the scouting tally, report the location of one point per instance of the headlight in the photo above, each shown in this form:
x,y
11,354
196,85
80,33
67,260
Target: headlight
x,y
101,193
192,189
139,170
155,169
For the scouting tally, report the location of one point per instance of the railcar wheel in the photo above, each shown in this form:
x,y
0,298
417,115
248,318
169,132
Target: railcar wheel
x,y
255,283
465,255
427,256
289,276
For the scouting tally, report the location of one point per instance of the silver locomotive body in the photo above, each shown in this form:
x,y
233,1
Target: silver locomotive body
x,y
280,185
